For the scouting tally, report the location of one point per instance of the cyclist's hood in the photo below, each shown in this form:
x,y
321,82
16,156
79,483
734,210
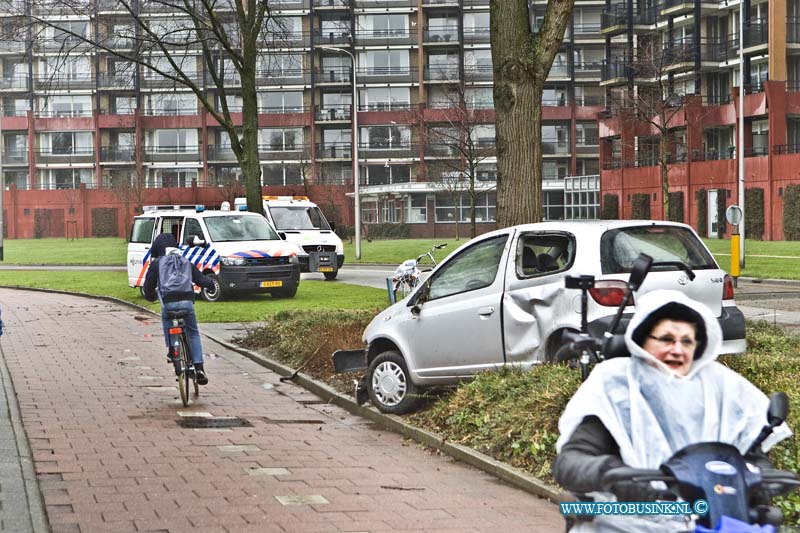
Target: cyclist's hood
x,y
667,304
161,243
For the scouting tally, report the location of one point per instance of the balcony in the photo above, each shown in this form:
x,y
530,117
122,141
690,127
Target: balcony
x,y
10,44
555,147
333,113
586,30
756,33
63,113
784,149
440,35
615,18
716,99
793,30
325,37
287,76
334,151
558,71
65,155
676,7
276,110
447,73
588,70
439,3
270,152
15,156
387,37
167,154
151,80
380,150
385,106
588,147
756,151
333,75
18,83
331,4
171,112
383,4
285,39
218,152
678,52
441,150
115,81
478,73
713,155
386,74
477,35
68,44
58,82
110,6
117,154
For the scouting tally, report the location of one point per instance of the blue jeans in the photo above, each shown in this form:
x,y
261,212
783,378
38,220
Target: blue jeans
x,y
190,321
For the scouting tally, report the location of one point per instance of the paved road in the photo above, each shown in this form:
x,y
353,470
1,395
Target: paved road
x,y
104,422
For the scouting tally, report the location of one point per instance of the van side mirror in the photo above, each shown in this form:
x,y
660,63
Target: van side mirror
x,y
332,225
194,240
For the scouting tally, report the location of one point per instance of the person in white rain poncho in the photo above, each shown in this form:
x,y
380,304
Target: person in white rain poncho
x,y
638,411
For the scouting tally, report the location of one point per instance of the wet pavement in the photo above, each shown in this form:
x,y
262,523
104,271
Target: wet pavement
x,y
113,449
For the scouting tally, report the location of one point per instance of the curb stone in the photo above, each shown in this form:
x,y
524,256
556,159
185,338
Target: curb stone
x,y
506,472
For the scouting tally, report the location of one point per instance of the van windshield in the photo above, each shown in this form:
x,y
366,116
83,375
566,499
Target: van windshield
x,y
289,218
234,228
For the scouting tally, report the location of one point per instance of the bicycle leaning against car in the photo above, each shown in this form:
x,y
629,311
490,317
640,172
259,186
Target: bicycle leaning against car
x,y
408,274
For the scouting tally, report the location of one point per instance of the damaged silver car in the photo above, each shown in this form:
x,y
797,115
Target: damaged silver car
x,y
500,300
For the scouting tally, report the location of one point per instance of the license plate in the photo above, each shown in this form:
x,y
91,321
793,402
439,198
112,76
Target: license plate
x,y
325,269
271,284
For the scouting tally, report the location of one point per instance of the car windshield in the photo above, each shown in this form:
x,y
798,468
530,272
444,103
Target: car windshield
x,y
240,228
289,218
620,247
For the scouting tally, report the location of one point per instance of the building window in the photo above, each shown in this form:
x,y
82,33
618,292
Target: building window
x,y
383,62
553,205
581,197
369,211
280,102
384,98
385,175
281,139
280,66
386,137
391,210
68,142
281,174
555,169
172,177
172,141
172,104
124,105
448,207
417,209
65,106
64,178
382,26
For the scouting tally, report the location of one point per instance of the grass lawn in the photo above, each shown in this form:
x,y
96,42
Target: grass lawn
x,y
311,294
113,251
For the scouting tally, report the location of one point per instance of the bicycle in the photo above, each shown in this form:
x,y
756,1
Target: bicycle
x,y
181,358
407,275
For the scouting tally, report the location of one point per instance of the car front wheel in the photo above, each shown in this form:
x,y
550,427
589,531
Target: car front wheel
x,y
389,384
215,294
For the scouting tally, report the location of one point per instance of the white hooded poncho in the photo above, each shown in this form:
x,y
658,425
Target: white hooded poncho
x,y
653,412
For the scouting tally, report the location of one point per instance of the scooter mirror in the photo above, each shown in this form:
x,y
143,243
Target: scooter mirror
x,y
641,266
778,409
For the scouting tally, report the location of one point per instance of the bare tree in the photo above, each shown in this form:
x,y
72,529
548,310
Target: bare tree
x,y
194,44
460,139
521,61
654,103
230,190
129,190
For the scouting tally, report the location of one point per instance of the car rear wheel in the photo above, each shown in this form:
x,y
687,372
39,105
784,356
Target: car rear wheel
x,y
389,384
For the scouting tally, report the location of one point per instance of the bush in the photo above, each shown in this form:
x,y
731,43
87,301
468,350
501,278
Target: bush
x,y
640,206
610,207
702,212
754,215
676,206
387,230
791,213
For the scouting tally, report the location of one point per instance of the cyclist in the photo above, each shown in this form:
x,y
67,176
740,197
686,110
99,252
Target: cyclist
x,y
173,300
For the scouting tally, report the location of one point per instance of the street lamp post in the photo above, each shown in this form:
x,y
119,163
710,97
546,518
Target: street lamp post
x,y
740,151
356,178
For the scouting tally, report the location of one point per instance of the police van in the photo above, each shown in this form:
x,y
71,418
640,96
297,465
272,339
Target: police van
x,y
301,221
240,251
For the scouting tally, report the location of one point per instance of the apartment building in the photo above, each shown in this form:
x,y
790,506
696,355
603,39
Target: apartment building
x,y
697,74
76,115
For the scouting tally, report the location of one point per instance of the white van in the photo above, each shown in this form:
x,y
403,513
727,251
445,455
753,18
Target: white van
x,y
240,251
301,221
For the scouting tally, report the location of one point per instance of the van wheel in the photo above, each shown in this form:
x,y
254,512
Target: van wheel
x,y
389,384
214,295
330,276
141,290
288,292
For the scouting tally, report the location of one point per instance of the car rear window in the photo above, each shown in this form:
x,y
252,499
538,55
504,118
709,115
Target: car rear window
x,y
620,247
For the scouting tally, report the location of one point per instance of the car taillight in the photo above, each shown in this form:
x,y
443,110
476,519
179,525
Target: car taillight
x,y
727,288
609,293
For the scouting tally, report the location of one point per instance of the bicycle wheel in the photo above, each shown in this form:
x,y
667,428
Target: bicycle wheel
x,y
183,376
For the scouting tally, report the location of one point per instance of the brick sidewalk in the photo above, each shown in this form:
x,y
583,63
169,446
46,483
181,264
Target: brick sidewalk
x,y
101,410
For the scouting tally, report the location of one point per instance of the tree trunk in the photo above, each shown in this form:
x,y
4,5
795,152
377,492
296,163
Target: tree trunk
x,y
472,198
663,146
251,167
521,64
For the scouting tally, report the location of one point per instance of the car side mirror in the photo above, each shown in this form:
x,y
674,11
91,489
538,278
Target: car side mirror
x,y
282,235
641,266
415,309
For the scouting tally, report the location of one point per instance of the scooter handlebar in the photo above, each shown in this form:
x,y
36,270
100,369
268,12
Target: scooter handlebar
x,y
574,345
626,473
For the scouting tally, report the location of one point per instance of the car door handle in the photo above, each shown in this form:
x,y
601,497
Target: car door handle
x,y
486,311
